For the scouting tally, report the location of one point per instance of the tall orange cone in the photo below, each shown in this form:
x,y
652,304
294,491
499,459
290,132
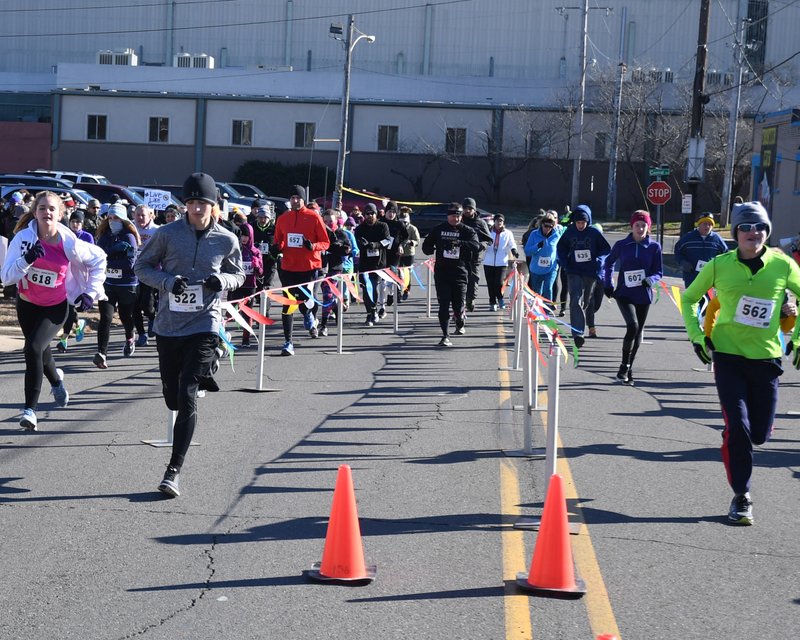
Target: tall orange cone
x,y
343,556
552,571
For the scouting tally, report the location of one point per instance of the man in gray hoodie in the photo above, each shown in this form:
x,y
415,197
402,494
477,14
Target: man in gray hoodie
x,y
189,261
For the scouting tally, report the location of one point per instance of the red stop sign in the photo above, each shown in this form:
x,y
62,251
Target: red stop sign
x,y
659,192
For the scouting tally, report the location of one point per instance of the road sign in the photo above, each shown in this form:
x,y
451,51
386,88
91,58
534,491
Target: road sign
x,y
658,172
659,192
686,203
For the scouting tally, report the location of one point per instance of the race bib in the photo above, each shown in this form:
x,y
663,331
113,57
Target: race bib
x,y
373,253
388,242
453,254
248,268
583,255
263,247
754,312
113,274
42,277
189,301
544,261
633,278
700,264
294,239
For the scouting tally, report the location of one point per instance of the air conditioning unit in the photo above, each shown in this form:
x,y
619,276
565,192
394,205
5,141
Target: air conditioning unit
x,y
121,57
202,61
182,60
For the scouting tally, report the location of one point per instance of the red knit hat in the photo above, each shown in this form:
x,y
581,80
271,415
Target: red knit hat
x,y
641,215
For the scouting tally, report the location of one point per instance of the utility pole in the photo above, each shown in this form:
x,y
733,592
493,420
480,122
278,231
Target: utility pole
x,y
736,97
611,192
695,165
578,124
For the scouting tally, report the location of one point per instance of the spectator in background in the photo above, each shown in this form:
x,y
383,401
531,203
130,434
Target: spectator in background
x,y
471,218
698,246
495,262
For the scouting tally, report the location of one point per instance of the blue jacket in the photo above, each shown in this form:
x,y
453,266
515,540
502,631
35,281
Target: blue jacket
x,y
545,259
692,251
121,252
572,248
639,266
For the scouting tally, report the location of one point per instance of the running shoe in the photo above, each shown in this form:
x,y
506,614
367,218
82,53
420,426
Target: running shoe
x,y
323,330
60,393
61,345
381,312
502,304
493,307
80,328
470,306
389,300
309,320
445,342
99,360
592,332
129,348
288,349
141,340
369,322
741,511
460,331
28,420
170,484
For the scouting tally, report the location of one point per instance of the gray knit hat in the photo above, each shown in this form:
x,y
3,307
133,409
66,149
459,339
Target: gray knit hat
x,y
749,212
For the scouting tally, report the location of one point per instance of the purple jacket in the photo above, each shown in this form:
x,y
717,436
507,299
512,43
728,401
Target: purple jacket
x,y
639,266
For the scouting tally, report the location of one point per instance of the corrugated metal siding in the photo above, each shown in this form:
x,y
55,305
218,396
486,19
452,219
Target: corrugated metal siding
x,y
525,39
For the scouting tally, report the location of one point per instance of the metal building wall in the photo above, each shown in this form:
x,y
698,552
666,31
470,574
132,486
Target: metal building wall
x,y
511,38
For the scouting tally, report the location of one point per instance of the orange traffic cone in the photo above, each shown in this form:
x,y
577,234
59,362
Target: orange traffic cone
x,y
552,572
343,556
607,636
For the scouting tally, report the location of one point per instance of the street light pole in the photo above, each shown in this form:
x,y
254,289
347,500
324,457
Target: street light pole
x,y
611,195
349,45
576,165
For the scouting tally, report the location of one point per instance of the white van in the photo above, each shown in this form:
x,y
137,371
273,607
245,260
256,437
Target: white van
x,y
72,176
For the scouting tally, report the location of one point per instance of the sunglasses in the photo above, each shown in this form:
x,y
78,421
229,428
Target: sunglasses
x,y
756,226
547,224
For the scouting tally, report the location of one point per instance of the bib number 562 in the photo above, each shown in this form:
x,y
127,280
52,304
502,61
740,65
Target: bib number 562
x,y
754,311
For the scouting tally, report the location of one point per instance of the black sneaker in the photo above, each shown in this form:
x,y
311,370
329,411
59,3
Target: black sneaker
x,y
369,321
579,340
460,331
623,375
381,313
470,306
741,511
389,300
445,342
323,330
169,485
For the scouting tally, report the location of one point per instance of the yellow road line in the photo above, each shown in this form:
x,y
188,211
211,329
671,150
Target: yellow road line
x,y
517,608
516,605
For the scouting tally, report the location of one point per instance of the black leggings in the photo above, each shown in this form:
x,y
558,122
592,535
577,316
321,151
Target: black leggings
x,y
183,362
289,278
144,307
39,326
123,299
635,315
494,282
451,291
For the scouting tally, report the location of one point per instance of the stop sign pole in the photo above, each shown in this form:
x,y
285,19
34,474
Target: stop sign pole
x,y
659,193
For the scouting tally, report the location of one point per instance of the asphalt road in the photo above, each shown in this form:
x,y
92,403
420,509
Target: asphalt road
x,y
91,550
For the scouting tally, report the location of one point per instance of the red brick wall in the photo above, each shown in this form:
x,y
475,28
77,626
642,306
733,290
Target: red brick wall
x,y
23,146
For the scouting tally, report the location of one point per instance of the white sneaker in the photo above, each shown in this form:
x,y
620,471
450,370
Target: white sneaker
x,y
28,420
60,393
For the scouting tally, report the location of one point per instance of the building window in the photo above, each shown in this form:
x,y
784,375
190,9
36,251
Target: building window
x,y
537,144
387,137
96,127
304,134
601,144
242,135
456,141
758,17
159,129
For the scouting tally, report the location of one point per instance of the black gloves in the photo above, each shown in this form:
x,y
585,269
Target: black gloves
x,y
36,251
796,359
363,242
609,291
540,245
307,244
703,349
120,247
179,286
83,302
515,253
213,282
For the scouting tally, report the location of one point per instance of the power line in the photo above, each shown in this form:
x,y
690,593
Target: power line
x,y
249,23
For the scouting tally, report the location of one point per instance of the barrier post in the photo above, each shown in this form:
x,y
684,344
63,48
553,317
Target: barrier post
x,y
262,330
428,292
396,305
527,423
519,308
340,317
553,379
167,442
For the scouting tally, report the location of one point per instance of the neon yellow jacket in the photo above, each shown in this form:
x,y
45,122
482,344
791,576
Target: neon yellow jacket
x,y
733,280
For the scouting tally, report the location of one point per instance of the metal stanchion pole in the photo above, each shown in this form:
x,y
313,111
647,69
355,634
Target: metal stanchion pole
x,y
553,378
428,292
519,308
340,322
262,330
396,312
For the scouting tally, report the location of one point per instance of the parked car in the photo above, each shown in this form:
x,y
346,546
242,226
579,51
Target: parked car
x,y
72,176
45,181
81,197
248,190
105,192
